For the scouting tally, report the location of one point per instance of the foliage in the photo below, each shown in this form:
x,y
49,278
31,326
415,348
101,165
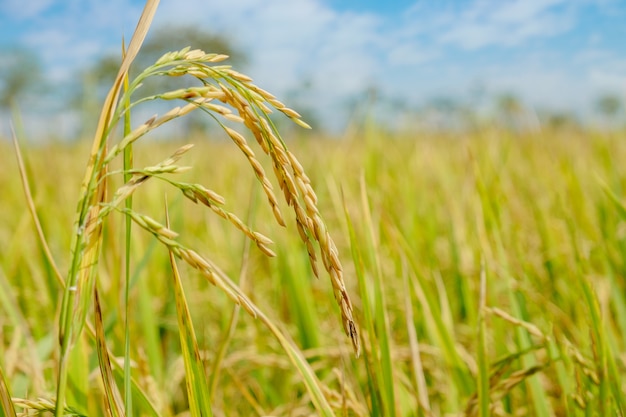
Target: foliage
x,y
20,73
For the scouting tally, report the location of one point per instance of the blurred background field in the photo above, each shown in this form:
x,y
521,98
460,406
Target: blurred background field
x,y
427,212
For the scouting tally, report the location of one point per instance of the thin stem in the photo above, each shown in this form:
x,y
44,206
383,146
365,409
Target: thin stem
x,y
128,164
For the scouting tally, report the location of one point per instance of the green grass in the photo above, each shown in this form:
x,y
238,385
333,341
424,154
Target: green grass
x,y
486,271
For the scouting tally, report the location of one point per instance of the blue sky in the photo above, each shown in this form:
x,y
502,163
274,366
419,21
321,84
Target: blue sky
x,y
553,54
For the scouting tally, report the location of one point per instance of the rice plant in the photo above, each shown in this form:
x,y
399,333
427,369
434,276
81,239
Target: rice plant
x,y
251,107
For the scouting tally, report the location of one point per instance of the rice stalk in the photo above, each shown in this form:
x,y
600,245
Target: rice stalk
x,y
113,398
237,91
196,379
219,83
87,237
7,407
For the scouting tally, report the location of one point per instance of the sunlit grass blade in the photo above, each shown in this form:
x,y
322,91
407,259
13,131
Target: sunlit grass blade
x,y
609,395
370,347
563,365
617,203
297,285
314,386
150,323
619,303
540,400
376,352
128,165
7,408
143,402
492,229
483,391
610,382
33,212
423,402
439,332
195,376
215,373
112,396
381,320
217,364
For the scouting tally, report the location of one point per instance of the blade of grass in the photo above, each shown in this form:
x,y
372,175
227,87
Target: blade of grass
x,y
294,269
128,165
416,361
216,367
112,396
370,347
33,211
610,378
381,320
437,329
491,223
539,394
7,409
195,376
563,365
380,381
482,358
618,301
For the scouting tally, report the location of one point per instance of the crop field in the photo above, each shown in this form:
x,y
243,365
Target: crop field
x,y
373,274
486,273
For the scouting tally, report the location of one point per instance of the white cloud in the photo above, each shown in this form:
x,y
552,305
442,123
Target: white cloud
x,y
19,9
603,70
78,33
289,43
508,23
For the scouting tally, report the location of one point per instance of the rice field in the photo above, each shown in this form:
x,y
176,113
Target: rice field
x,y
374,274
487,274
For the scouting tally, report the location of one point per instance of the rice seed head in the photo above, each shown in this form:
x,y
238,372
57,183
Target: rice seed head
x,y
208,197
235,136
239,76
196,54
263,93
218,58
278,216
265,109
233,118
248,307
290,113
267,251
276,103
158,227
246,103
191,92
217,108
262,239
